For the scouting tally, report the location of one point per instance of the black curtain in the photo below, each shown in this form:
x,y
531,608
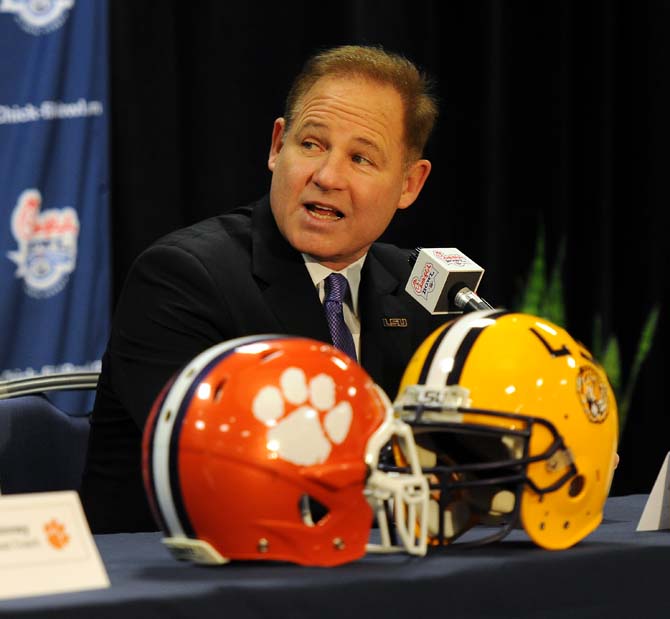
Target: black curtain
x,y
553,116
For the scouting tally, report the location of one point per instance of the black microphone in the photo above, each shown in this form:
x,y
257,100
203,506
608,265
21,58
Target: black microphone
x,y
445,281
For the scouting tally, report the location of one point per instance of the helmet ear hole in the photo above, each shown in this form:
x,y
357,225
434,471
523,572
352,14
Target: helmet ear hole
x,y
311,511
576,485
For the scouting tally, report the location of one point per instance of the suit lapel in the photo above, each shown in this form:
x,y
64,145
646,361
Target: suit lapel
x,y
284,280
386,328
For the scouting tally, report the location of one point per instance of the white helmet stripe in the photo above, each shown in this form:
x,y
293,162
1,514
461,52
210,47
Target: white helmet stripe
x,y
174,406
444,357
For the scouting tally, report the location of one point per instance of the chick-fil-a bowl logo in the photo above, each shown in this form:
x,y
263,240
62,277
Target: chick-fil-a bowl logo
x,y
47,244
424,283
452,259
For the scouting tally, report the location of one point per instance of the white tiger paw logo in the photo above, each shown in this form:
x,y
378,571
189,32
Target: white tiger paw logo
x,y
305,435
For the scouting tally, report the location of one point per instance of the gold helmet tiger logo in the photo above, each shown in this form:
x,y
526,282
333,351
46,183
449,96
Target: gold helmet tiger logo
x,y
592,392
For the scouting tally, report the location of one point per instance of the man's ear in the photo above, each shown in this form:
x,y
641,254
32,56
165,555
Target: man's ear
x,y
277,142
415,177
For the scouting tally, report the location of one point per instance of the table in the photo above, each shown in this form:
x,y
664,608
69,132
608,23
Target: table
x,y
615,572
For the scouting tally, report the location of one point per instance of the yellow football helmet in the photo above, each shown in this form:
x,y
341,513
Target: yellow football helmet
x,y
516,424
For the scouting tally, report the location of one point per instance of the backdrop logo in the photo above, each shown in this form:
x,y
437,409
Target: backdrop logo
x,y
47,244
38,16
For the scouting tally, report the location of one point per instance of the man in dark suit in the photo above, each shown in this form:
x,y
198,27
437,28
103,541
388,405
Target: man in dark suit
x,y
345,156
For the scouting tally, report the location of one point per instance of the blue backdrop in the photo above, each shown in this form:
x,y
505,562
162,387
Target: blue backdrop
x,y
54,220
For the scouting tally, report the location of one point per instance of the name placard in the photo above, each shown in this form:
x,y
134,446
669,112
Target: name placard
x,y
46,546
656,514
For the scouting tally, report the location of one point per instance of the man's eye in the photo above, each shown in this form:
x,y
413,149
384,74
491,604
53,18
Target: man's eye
x,y
361,159
309,145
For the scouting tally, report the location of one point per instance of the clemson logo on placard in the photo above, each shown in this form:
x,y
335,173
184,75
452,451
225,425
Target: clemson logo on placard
x,y
38,16
303,419
592,392
56,534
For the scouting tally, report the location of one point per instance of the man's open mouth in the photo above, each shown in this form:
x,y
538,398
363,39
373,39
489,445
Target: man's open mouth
x,y
324,212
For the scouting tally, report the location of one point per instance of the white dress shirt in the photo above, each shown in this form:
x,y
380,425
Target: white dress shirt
x,y
319,273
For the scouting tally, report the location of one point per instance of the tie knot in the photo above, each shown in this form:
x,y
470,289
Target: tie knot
x,y
336,287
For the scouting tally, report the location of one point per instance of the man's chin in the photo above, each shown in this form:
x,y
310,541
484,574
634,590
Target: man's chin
x,y
336,262
320,257
319,250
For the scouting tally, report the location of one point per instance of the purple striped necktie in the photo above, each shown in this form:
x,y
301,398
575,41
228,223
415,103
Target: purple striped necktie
x,y
336,290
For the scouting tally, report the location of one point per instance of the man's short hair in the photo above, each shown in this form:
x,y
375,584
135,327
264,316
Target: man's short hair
x,y
374,63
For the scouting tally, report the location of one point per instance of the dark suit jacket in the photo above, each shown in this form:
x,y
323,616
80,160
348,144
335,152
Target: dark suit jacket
x,y
224,277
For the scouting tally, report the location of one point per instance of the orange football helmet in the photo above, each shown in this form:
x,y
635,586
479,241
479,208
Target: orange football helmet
x,y
266,447
516,424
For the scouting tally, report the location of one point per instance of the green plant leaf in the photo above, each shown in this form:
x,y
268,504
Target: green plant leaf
x,y
611,362
532,296
643,348
553,306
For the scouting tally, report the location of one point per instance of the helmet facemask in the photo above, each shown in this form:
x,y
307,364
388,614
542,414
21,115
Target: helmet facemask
x,y
399,499
476,462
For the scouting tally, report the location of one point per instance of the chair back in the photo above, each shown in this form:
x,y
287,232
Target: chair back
x,y
42,448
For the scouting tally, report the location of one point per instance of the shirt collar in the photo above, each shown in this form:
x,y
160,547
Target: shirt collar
x,y
318,272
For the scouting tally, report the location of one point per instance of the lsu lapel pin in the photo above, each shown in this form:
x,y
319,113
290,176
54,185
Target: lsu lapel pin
x,y
394,322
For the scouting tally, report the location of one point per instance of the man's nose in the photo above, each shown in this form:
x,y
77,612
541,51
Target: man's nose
x,y
330,173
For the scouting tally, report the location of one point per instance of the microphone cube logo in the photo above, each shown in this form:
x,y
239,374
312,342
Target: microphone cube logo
x,y
424,283
47,244
452,259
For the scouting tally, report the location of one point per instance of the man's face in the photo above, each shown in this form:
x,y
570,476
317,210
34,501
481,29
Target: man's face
x,y
339,173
